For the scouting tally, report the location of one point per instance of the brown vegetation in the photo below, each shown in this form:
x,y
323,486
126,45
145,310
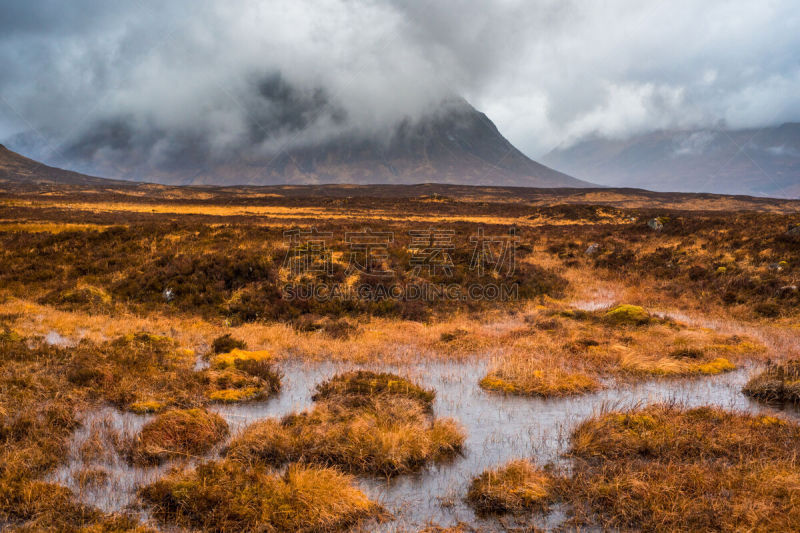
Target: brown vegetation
x,y
663,468
516,487
364,422
383,436
779,383
361,385
178,433
228,496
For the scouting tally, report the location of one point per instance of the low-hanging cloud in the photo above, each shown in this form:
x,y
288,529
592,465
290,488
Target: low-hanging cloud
x,y
159,76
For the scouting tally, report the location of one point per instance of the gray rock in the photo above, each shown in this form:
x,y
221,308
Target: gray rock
x,y
592,249
168,294
655,224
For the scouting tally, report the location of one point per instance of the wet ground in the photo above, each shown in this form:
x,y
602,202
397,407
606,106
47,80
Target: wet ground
x,y
499,428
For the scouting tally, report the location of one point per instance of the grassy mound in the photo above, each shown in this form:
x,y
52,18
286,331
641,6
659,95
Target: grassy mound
x,y
627,314
228,496
246,380
383,435
550,382
663,468
237,356
777,384
181,433
514,488
363,384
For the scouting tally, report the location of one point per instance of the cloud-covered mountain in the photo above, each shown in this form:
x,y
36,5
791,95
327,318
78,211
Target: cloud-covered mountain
x,y
758,162
453,143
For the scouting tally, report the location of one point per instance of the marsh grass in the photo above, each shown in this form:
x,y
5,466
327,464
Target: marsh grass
x,y
364,422
779,383
361,385
516,487
380,436
665,468
229,496
182,433
578,349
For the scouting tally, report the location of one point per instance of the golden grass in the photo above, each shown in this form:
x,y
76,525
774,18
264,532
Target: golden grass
x,y
178,433
47,227
382,435
516,487
664,468
229,359
228,496
562,352
361,385
521,377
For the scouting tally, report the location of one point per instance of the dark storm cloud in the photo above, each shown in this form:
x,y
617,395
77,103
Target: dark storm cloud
x,y
151,77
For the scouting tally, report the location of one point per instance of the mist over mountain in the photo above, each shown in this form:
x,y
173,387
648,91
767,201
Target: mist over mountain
x,y
299,136
757,161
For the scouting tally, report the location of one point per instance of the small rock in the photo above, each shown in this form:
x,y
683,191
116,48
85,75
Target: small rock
x,y
789,288
776,267
655,224
168,294
592,248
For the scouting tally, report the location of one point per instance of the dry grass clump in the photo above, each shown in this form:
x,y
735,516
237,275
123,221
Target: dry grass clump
x,y
779,383
250,380
229,496
626,314
360,385
516,487
140,372
521,377
237,355
665,468
384,435
178,433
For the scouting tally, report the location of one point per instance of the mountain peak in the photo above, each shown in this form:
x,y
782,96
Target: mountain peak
x,y
451,143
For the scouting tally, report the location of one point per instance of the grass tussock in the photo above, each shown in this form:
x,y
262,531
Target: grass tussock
x,y
779,383
237,356
248,381
383,435
664,468
178,433
516,487
522,378
229,496
361,385
626,314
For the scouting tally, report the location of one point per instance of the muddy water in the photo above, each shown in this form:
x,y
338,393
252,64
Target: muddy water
x,y
499,428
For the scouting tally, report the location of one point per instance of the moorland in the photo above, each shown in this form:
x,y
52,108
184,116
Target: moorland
x,y
576,358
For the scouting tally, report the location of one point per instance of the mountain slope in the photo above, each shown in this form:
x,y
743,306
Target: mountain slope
x,y
759,162
15,168
454,144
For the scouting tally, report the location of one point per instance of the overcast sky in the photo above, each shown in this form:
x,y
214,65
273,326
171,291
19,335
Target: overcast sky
x,y
546,72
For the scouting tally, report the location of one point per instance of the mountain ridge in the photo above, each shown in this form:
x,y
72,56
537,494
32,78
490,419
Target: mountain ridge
x,y
454,144
755,161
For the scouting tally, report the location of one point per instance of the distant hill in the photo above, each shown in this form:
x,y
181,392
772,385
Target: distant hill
x,y
453,144
15,168
759,162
